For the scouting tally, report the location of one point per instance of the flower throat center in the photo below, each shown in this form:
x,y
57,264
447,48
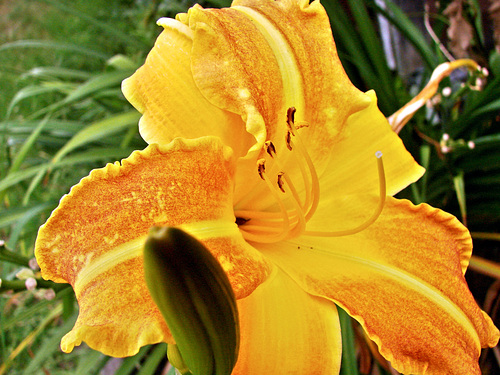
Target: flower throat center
x,y
295,211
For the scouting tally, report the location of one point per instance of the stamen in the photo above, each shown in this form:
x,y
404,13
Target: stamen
x,y
290,115
261,168
294,212
301,124
300,226
280,181
299,208
271,150
314,176
285,221
373,217
290,119
289,140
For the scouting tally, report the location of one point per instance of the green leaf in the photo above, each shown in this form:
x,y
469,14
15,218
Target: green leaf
x,y
97,83
372,45
56,72
153,360
349,361
21,154
99,130
15,214
49,346
92,363
109,29
130,364
401,21
54,46
458,182
57,127
36,91
88,156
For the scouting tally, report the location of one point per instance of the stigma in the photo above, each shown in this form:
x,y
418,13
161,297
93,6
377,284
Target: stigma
x,y
296,202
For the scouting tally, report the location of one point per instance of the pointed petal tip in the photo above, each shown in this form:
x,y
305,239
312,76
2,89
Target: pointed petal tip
x,y
112,342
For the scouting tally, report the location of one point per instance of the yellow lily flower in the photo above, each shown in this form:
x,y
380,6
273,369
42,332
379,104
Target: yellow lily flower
x,y
288,202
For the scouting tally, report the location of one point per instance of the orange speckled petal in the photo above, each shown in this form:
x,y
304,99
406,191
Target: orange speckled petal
x,y
94,239
284,330
403,280
259,58
269,56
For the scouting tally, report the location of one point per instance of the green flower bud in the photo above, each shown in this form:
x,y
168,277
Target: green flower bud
x,y
195,298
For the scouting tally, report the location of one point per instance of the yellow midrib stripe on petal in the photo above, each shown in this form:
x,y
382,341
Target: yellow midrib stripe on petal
x,y
211,229
287,63
418,285
129,250
108,260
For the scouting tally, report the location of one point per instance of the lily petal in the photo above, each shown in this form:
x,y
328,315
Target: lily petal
x,y
276,322
285,59
353,157
94,239
164,91
242,68
251,60
403,280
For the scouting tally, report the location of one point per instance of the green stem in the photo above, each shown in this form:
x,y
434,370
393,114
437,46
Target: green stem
x,y
19,285
349,361
12,257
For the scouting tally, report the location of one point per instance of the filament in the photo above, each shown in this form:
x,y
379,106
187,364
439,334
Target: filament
x,y
284,214
314,175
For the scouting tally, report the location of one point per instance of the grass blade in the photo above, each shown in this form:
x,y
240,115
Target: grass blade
x,y
67,47
158,353
114,32
401,21
99,130
87,156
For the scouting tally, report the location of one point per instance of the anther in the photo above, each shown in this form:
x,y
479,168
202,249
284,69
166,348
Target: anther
x,y
261,168
280,181
290,117
294,212
271,150
290,121
241,220
289,140
302,124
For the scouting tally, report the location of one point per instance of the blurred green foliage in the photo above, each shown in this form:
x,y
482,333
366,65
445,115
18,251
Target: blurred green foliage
x,y
62,114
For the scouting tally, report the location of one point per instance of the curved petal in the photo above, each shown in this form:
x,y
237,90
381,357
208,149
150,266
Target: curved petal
x,y
353,157
94,239
287,331
403,280
164,91
259,58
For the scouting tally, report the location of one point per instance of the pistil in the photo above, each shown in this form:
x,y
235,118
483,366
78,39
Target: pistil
x,y
372,218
